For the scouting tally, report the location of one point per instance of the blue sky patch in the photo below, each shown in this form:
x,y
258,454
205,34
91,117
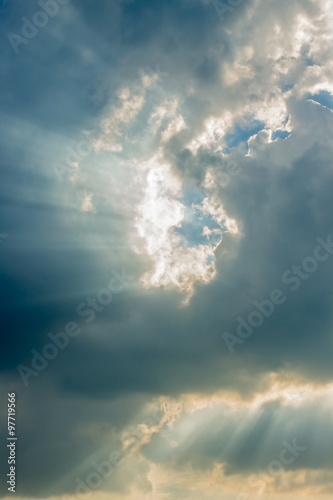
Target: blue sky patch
x,y
324,98
195,221
280,134
242,134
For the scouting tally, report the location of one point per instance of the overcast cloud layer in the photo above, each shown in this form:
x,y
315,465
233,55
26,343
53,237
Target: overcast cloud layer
x,y
167,203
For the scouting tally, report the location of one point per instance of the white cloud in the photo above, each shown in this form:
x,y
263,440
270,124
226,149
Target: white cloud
x,y
87,203
161,211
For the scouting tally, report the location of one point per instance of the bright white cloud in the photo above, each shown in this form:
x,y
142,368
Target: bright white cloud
x,y
161,211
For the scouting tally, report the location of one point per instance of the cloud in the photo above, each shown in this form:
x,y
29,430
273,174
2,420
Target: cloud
x,y
87,204
210,177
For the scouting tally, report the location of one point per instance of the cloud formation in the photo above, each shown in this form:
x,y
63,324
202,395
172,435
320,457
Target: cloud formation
x,y
195,152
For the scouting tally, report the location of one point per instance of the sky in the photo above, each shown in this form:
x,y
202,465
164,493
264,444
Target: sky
x,y
166,249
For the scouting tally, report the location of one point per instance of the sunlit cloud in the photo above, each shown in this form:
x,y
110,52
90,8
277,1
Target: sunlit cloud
x,y
162,211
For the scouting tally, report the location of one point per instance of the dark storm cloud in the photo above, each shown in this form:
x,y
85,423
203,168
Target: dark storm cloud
x,y
59,437
49,98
